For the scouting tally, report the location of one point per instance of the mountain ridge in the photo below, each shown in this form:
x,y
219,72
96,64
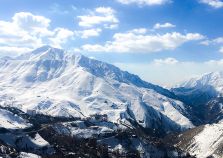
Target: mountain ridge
x,y
62,84
204,95
51,94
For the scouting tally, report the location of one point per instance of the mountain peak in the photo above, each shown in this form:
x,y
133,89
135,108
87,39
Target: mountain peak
x,y
45,52
203,95
63,81
214,79
41,49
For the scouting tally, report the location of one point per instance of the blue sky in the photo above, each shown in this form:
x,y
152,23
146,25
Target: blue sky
x,y
163,41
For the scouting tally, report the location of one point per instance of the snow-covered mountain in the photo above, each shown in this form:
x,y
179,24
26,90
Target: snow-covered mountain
x,y
93,100
10,121
204,95
57,83
204,141
214,79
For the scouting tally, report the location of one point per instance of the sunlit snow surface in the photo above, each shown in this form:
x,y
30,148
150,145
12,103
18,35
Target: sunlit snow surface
x,y
58,83
206,142
10,121
28,155
213,79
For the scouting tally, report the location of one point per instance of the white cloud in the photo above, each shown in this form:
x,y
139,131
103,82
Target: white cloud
x,y
213,3
139,31
166,61
25,24
100,16
110,26
23,30
11,51
74,49
27,31
217,41
144,2
165,25
61,35
143,43
28,21
12,35
205,42
105,10
94,32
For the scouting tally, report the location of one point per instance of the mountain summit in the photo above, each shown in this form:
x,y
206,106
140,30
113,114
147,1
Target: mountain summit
x,y
204,96
54,82
214,79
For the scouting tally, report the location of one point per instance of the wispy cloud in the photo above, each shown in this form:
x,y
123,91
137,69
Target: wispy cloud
x,y
104,16
166,61
217,41
94,32
12,51
165,25
139,31
213,3
144,2
132,42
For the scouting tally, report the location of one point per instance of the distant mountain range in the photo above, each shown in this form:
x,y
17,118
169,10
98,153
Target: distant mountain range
x,y
59,85
204,96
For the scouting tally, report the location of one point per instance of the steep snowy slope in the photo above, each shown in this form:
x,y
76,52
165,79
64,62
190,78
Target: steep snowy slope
x,y
204,94
214,79
203,141
10,121
206,87
214,110
59,83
